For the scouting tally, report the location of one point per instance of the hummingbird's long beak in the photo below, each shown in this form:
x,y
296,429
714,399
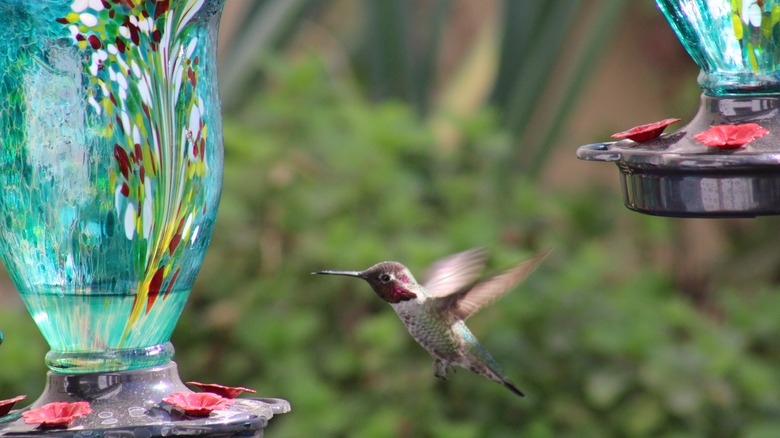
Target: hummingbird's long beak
x,y
347,273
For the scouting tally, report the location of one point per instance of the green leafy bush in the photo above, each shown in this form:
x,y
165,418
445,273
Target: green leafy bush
x,y
317,177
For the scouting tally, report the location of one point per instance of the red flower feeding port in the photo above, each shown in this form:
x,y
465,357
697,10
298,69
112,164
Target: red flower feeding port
x,y
198,403
7,405
57,413
221,390
731,136
643,133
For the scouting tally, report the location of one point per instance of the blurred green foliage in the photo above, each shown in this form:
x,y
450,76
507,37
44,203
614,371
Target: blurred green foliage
x,y
418,52
599,338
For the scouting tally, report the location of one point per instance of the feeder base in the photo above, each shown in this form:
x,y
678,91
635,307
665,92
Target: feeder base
x,y
128,404
676,175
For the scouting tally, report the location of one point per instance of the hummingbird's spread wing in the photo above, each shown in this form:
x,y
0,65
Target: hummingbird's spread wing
x,y
468,301
454,272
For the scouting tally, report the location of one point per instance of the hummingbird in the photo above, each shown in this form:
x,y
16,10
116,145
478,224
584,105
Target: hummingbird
x,y
435,312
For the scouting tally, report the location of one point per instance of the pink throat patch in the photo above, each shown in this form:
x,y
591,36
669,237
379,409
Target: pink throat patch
x,y
401,294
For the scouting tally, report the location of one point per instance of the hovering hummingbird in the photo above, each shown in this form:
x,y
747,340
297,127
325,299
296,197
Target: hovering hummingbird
x,y
434,312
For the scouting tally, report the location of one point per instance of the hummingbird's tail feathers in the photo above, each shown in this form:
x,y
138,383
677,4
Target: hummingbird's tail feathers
x,y
511,386
469,301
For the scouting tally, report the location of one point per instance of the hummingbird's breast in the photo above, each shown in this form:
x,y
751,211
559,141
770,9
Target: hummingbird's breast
x,y
432,330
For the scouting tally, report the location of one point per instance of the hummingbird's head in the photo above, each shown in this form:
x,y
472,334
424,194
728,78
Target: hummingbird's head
x,y
392,281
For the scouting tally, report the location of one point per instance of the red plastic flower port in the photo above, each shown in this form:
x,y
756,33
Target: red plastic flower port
x,y
643,133
57,413
221,390
731,136
7,405
198,403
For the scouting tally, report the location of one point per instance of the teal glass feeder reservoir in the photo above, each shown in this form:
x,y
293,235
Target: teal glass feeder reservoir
x,y
725,162
111,169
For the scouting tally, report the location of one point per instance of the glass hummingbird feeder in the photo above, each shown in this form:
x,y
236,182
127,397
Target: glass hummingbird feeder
x,y
111,171
725,162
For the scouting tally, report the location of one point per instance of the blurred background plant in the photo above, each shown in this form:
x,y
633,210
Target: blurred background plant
x,y
358,131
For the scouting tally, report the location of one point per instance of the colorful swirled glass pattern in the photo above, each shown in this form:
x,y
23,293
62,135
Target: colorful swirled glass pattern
x,y
111,163
736,43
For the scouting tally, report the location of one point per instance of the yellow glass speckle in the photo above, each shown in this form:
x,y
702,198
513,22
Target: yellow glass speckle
x,y
737,24
752,57
72,17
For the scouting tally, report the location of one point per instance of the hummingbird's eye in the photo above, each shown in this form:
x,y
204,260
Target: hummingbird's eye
x,y
384,278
